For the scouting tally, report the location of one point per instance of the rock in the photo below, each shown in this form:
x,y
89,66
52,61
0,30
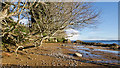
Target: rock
x,y
63,45
32,53
86,53
1,57
78,54
25,51
118,48
58,48
11,51
29,58
114,44
58,64
91,48
69,63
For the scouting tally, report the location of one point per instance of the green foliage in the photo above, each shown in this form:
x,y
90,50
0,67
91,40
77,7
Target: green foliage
x,y
60,39
44,34
13,32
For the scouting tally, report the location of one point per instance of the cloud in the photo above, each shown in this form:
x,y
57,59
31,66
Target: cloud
x,y
94,35
73,34
72,31
75,37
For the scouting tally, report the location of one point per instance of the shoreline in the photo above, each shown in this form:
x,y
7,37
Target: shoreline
x,y
50,54
112,46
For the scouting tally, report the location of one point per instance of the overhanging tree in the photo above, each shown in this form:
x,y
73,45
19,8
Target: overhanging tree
x,y
49,18
13,33
57,16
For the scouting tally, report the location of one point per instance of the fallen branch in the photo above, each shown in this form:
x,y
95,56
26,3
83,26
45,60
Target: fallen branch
x,y
18,49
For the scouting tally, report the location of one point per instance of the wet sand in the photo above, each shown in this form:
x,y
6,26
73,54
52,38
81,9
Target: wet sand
x,y
55,54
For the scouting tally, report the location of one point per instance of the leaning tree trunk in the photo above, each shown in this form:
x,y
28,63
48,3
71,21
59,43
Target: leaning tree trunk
x,y
41,41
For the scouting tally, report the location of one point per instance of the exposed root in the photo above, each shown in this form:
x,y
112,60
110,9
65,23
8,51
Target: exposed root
x,y
18,49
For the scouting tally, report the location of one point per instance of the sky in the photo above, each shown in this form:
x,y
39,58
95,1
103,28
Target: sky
x,y
106,27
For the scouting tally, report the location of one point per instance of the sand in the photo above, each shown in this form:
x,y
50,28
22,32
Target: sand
x,y
49,54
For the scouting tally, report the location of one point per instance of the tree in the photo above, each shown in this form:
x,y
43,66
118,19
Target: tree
x,y
49,18
13,33
58,16
8,25
61,34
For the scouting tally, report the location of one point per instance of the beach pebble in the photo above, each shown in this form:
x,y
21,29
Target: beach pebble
x,y
58,48
78,54
32,53
54,65
63,45
80,63
1,57
29,58
25,51
58,64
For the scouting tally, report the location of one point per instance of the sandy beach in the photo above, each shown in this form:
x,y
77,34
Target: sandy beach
x,y
57,54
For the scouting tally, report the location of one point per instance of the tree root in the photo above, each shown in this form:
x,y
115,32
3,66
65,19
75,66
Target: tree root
x,y
18,49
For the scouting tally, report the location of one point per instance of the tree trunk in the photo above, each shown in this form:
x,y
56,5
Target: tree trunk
x,y
41,42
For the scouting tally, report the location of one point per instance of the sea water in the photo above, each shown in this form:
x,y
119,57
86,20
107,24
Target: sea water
x,y
104,41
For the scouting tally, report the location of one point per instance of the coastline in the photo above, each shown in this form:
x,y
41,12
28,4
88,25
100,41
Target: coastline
x,y
52,54
112,46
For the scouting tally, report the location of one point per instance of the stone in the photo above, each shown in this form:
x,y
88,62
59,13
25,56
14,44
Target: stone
x,y
63,45
78,54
